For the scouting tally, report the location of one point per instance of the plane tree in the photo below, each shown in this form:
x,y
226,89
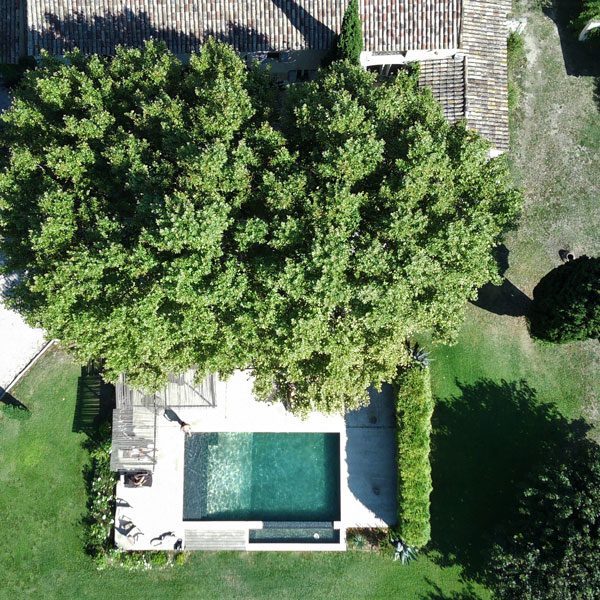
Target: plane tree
x,y
160,216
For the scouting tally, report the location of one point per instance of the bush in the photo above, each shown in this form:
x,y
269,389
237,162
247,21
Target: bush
x,y
590,10
349,43
566,302
18,412
101,498
414,408
139,561
368,539
555,552
516,61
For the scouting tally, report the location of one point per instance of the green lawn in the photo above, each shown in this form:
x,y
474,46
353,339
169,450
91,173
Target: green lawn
x,y
502,399
42,500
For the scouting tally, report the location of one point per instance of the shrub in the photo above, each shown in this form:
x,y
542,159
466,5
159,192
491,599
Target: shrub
x,y
566,302
555,552
349,43
414,408
139,561
101,498
368,539
18,412
590,10
516,61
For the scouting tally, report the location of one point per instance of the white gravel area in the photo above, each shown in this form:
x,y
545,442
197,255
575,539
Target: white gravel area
x,y
19,343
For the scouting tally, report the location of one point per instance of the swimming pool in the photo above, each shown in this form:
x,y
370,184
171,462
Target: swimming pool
x,y
262,477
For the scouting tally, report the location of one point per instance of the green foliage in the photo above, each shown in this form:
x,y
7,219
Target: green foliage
x,y
414,409
163,216
101,483
590,10
349,44
17,411
555,552
140,561
516,62
566,302
368,539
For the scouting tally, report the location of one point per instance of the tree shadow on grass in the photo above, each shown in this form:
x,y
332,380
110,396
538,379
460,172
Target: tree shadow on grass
x,y
436,593
487,441
581,59
95,400
504,299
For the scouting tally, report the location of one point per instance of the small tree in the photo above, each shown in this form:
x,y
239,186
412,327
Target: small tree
x,y
555,551
566,302
349,44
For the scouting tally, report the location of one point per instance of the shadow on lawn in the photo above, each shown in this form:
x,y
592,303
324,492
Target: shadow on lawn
x,y
581,59
504,299
436,593
486,442
95,400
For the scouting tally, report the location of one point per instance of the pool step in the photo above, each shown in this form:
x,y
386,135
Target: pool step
x,y
226,539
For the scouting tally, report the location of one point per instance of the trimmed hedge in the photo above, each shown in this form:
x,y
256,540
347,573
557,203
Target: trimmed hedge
x,y
414,408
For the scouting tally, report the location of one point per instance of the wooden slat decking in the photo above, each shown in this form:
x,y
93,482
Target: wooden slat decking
x,y
215,540
181,390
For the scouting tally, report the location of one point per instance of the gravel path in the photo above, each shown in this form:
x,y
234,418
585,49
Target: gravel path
x,y
19,342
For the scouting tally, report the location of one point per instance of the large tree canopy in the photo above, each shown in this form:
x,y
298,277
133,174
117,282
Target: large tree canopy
x,y
555,552
163,216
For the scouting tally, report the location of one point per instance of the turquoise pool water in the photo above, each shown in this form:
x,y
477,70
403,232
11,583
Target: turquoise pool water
x,y
262,477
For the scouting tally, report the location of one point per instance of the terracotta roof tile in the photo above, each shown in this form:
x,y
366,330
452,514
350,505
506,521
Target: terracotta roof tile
x,y
446,80
484,39
249,25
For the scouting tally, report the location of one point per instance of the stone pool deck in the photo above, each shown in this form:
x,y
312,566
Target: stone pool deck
x,y
367,472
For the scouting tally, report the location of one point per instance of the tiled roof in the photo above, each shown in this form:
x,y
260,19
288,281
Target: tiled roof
x,y
10,28
477,27
398,25
446,79
484,39
249,25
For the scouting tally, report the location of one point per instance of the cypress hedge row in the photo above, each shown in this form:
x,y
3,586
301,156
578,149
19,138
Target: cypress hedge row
x,y
414,408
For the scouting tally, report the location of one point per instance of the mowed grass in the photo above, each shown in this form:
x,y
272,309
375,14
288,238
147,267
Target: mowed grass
x,y
42,500
555,158
502,399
